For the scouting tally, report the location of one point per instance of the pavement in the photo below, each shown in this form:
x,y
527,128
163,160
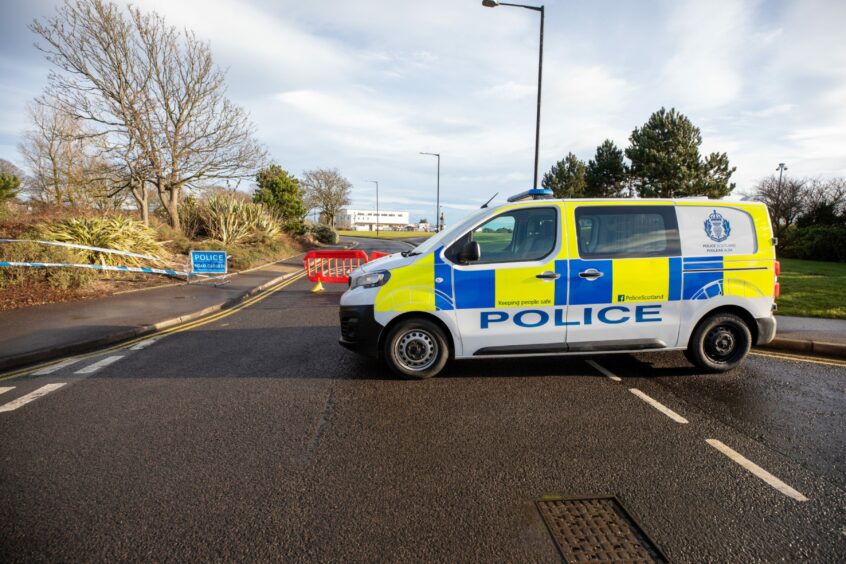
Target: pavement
x,y
811,335
50,331
255,436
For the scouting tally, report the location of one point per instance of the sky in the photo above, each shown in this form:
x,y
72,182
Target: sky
x,y
365,86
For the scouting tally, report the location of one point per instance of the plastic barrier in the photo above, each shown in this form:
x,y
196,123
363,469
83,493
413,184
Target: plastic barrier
x,y
332,266
378,254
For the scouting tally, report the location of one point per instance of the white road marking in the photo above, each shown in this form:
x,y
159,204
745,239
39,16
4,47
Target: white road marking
x,y
604,371
4,390
143,344
55,367
757,470
32,396
99,364
659,406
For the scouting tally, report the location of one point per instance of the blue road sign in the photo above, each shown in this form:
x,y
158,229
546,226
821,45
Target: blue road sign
x,y
208,262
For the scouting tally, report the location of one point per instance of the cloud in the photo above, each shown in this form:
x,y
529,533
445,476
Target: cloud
x,y
364,86
710,49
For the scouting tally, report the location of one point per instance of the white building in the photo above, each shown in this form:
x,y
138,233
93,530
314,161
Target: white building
x,y
366,220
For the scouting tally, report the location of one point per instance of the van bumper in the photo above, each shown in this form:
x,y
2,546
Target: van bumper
x,y
766,330
360,331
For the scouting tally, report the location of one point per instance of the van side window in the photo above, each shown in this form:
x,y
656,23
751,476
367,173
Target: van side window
x,y
519,235
627,231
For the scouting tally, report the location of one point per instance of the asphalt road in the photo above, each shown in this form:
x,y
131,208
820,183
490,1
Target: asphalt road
x,y
257,437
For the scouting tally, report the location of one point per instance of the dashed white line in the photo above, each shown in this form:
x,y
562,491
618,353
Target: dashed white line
x,y
6,389
604,371
756,470
659,406
32,396
99,364
143,344
55,367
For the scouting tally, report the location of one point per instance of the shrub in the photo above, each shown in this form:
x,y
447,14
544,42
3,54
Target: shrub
x,y
191,217
230,219
296,228
325,234
63,278
815,242
118,233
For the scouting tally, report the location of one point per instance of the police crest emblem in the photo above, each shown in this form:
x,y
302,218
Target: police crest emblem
x,y
717,228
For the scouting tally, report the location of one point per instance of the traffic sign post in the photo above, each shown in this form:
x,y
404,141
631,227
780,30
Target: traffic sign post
x,y
210,262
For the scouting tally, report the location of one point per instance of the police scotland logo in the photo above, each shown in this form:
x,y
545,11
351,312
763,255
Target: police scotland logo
x,y
717,228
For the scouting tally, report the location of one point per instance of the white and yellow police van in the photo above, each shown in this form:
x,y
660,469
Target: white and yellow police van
x,y
538,276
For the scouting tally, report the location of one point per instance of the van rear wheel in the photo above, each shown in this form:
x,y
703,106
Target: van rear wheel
x,y
416,349
719,343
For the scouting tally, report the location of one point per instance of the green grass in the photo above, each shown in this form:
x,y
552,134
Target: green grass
x,y
812,289
385,234
493,241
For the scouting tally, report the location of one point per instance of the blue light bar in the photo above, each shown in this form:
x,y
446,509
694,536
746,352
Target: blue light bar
x,y
534,193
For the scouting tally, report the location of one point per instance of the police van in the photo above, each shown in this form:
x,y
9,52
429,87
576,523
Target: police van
x,y
538,276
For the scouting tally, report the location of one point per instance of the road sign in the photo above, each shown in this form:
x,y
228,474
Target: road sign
x,y
208,262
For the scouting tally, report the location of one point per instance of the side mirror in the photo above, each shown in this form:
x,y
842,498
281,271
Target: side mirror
x,y
471,252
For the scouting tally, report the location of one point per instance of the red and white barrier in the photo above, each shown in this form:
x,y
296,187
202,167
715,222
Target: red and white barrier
x,y
332,266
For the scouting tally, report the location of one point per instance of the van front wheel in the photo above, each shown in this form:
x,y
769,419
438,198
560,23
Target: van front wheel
x,y
416,349
719,343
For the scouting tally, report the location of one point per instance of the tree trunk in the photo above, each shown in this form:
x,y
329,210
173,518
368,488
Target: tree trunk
x,y
139,192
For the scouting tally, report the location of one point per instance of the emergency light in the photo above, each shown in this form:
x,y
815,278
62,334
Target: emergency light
x,y
534,194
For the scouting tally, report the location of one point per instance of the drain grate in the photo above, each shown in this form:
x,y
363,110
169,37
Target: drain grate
x,y
597,530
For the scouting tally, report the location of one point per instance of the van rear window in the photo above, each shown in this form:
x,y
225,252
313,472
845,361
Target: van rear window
x,y
627,231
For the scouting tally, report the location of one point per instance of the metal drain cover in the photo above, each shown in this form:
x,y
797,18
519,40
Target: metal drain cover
x,y
597,529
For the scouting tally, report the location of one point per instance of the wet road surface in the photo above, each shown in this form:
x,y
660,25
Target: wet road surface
x,y
257,437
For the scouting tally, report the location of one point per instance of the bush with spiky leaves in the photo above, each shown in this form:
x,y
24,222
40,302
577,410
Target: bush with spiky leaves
x,y
230,219
118,233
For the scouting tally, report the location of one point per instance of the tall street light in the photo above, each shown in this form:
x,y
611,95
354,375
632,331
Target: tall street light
x,y
438,196
494,4
781,168
376,182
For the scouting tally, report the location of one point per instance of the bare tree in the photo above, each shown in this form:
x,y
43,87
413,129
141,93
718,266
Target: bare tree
x,y
327,190
785,199
55,153
824,201
154,92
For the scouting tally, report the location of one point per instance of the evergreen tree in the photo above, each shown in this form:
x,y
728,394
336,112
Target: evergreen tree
x,y
10,181
665,160
566,178
280,192
607,173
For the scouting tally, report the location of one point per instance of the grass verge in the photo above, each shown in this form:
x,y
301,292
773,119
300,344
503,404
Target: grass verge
x,y
812,289
385,234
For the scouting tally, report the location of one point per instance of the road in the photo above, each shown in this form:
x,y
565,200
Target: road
x,y
254,436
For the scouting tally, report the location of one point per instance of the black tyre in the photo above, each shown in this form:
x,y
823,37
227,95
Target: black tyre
x,y
416,349
719,343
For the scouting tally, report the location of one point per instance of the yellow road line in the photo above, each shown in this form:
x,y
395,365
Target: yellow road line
x,y
178,328
811,360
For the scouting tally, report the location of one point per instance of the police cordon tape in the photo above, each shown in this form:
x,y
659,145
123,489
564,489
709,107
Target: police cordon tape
x,y
119,268
102,267
334,267
84,247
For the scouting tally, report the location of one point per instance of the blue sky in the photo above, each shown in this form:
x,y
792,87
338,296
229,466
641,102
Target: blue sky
x,y
364,86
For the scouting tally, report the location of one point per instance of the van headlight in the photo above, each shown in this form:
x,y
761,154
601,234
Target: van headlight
x,y
370,280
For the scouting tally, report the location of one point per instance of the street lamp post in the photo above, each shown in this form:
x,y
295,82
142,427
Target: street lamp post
x,y
494,4
438,193
781,168
376,182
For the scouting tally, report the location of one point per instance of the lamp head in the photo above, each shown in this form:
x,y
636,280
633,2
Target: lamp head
x,y
490,3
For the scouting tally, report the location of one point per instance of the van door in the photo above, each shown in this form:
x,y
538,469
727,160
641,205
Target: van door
x,y
624,277
505,301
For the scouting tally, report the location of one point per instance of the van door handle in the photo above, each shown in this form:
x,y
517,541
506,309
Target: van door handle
x,y
590,274
548,275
